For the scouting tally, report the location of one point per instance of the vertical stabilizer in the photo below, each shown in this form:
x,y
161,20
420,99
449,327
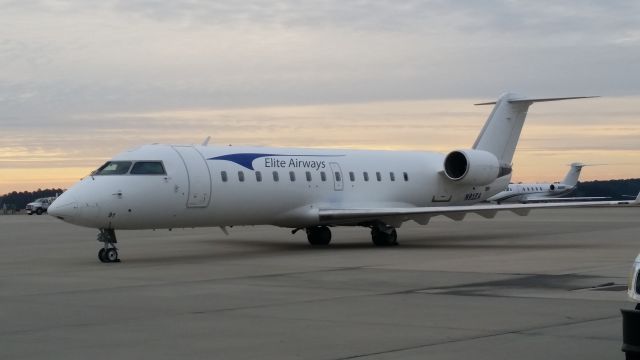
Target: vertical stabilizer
x,y
574,173
501,131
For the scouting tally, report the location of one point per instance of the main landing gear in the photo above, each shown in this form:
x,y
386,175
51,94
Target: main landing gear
x,y
109,253
381,235
384,235
319,235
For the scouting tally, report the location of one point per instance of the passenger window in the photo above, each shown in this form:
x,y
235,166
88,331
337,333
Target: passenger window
x,y
323,176
392,176
258,176
337,176
241,176
223,175
148,168
406,176
378,176
276,177
352,176
292,176
365,175
308,174
114,168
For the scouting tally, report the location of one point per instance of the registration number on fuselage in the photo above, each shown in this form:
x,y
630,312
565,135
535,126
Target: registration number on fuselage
x,y
472,196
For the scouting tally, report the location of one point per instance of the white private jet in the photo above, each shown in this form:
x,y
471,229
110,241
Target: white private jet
x,y
168,186
544,192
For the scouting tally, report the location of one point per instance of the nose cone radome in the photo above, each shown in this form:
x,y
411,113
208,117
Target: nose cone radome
x,y
64,207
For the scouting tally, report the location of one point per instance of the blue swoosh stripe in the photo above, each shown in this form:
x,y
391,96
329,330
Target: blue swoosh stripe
x,y
246,159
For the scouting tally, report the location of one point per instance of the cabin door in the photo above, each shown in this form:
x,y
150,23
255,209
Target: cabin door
x,y
199,177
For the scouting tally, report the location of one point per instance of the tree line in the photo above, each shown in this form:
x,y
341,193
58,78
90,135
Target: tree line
x,y
18,200
615,189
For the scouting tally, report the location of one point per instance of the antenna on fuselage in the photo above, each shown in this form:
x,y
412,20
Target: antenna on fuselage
x,y
206,141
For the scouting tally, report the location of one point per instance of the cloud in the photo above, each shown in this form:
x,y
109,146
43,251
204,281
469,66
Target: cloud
x,y
88,70
76,56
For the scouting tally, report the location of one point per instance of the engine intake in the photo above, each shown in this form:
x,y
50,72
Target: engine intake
x,y
471,167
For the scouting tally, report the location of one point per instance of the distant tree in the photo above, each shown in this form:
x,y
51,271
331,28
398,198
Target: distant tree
x,y
614,189
18,200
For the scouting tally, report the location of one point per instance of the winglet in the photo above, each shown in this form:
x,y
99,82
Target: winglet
x,y
637,200
206,141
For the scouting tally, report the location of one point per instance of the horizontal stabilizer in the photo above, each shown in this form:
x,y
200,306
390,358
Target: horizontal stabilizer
x,y
531,100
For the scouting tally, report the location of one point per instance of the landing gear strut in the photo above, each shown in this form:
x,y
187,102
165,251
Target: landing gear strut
x,y
383,235
319,235
109,253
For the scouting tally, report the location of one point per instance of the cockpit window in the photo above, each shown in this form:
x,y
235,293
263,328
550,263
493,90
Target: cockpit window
x,y
148,168
114,168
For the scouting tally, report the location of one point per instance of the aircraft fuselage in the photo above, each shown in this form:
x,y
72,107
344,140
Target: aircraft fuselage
x,y
226,186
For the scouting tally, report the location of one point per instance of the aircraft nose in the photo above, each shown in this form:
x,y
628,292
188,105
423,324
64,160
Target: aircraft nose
x,y
64,207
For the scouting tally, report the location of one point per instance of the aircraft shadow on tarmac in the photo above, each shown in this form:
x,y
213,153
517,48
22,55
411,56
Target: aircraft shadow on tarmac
x,y
245,248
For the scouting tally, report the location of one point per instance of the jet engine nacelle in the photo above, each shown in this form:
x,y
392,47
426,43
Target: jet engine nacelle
x,y
471,167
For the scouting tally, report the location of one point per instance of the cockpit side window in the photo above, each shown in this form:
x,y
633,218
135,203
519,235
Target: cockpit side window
x,y
114,168
148,168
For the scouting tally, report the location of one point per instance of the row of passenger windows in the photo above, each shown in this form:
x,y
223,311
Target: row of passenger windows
x,y
534,188
323,176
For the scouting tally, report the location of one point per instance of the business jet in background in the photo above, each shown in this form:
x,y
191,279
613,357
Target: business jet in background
x,y
168,186
544,192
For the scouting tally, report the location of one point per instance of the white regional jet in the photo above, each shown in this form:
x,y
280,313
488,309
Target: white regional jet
x,y
540,192
167,186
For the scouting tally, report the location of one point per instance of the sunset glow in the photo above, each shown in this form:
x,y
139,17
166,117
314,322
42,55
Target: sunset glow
x,y
554,136
82,81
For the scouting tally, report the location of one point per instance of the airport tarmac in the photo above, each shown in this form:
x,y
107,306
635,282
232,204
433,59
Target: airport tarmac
x,y
546,286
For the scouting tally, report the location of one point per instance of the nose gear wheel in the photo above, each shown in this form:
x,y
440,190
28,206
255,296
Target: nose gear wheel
x,y
109,252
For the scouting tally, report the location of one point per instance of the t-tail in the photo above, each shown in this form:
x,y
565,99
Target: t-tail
x,y
502,129
492,153
574,173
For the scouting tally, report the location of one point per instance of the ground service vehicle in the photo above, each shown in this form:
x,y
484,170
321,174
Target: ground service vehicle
x,y
39,206
631,317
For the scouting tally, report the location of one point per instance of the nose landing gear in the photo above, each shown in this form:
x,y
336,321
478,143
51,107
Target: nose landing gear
x,y
109,253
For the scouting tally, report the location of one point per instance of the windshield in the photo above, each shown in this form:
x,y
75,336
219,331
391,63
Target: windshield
x,y
148,168
114,168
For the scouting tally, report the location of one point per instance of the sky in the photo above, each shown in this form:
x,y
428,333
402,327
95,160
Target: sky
x,y
81,81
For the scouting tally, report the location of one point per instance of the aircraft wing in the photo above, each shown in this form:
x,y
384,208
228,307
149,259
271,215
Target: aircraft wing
x,y
549,199
423,214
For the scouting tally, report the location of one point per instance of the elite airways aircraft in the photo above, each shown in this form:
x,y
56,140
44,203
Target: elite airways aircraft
x,y
167,186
